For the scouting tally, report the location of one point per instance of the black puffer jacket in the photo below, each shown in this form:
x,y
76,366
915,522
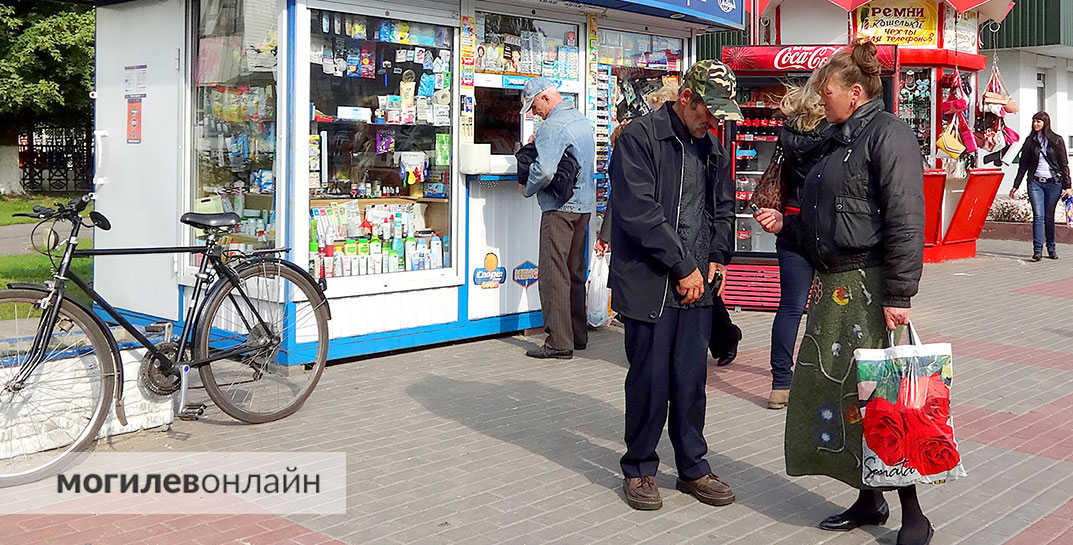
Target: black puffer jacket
x,y
1056,159
800,153
863,204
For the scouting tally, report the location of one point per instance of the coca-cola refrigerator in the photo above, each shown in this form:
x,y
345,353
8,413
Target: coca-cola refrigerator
x,y
763,73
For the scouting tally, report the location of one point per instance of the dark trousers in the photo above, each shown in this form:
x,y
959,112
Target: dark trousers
x,y
668,367
795,279
562,278
1044,198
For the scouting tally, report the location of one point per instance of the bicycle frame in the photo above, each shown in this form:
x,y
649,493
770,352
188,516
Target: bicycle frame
x,y
212,255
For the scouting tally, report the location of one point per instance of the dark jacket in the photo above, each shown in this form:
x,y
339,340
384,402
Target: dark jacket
x,y
863,203
646,179
800,153
562,185
1056,159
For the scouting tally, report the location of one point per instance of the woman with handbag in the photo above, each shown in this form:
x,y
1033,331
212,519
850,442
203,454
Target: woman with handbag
x,y
800,140
1043,157
862,227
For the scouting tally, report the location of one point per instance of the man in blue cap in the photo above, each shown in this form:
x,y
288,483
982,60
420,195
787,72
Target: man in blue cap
x,y
562,227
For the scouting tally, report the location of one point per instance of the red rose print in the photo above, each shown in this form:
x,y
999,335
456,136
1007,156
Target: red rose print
x,y
931,453
884,430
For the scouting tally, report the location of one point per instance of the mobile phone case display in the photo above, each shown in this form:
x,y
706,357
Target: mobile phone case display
x,y
754,146
380,145
600,116
915,105
235,141
517,45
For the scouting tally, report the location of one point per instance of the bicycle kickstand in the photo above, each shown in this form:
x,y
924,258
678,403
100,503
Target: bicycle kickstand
x,y
187,411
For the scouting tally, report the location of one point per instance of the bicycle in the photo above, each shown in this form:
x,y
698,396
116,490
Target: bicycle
x,y
61,368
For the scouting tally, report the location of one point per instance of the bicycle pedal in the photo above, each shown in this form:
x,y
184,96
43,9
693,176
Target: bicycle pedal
x,y
192,411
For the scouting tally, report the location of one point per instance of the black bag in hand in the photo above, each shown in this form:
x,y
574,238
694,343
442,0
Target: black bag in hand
x,y
566,175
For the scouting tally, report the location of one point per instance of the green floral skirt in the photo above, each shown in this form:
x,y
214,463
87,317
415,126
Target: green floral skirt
x,y
823,418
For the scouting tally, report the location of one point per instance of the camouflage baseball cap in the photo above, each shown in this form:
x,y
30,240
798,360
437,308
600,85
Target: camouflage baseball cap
x,y
716,84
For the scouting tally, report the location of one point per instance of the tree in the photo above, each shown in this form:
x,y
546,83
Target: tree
x,y
46,73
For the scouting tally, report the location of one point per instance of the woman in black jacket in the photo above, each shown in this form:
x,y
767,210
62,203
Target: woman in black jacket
x,y
862,227
800,138
1043,156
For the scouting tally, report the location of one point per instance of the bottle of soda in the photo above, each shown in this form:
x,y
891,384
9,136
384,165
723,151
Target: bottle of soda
x,y
742,195
743,127
745,235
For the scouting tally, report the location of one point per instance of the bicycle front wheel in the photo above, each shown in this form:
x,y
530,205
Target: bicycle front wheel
x,y
281,346
50,416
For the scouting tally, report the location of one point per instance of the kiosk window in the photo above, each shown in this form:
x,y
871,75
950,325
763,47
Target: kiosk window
x,y
380,144
496,120
234,116
516,45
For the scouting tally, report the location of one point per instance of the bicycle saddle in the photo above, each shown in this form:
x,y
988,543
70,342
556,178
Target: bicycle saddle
x,y
221,219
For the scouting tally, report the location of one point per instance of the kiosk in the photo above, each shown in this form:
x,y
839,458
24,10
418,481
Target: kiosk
x,y
922,44
373,139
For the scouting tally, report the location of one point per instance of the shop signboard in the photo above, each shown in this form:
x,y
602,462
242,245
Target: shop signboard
x,y
906,23
792,58
960,31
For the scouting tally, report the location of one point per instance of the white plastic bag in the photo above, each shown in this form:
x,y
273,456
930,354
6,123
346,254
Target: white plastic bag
x,y
597,294
908,431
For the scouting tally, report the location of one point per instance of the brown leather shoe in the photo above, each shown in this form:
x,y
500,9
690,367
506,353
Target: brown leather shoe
x,y
708,489
642,493
778,399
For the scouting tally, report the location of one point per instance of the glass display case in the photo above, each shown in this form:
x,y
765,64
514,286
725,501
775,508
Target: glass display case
x,y
234,120
380,145
754,146
915,106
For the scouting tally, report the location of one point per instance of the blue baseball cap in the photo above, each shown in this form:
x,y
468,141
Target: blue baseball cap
x,y
532,89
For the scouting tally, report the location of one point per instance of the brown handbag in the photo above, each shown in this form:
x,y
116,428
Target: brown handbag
x,y
769,189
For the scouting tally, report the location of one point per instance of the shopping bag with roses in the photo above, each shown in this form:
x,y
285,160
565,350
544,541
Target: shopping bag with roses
x,y
908,431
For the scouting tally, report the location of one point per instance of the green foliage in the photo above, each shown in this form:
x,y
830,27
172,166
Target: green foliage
x,y
46,62
10,204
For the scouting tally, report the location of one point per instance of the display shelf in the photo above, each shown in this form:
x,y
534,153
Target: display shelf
x,y
401,199
759,104
751,172
355,122
755,138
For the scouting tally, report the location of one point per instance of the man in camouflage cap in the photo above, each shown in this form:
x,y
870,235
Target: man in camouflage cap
x,y
672,206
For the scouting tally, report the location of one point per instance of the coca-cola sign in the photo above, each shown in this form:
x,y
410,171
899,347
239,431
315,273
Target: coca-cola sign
x,y
791,58
803,57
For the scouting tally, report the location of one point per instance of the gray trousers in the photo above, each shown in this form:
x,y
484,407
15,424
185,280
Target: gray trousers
x,y
562,278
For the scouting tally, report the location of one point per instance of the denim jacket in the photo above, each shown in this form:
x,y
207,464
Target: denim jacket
x,y
565,129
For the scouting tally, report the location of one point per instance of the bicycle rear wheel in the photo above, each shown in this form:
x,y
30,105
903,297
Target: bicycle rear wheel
x,y
270,379
57,412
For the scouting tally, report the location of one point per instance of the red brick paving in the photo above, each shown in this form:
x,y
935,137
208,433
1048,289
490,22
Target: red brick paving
x,y
1053,529
1058,288
157,529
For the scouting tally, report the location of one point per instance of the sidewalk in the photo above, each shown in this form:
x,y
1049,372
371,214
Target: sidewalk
x,y
475,443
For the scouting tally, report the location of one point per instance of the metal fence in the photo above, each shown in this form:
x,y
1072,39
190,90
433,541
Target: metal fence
x,y
56,158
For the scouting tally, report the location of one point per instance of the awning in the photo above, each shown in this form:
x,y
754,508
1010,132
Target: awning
x,y
725,13
995,10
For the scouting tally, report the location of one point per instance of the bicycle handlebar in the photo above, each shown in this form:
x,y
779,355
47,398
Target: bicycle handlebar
x,y
71,210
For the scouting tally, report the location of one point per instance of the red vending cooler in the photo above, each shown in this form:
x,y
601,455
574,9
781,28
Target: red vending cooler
x,y
763,73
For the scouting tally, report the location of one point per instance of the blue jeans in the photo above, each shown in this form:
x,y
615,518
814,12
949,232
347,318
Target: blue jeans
x,y
1044,199
795,278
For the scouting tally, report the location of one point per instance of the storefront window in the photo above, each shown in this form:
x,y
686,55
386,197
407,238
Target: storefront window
x,y
234,106
640,50
640,65
520,46
915,105
380,145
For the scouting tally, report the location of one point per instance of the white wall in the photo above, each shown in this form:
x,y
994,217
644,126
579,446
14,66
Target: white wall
x,y
1019,69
